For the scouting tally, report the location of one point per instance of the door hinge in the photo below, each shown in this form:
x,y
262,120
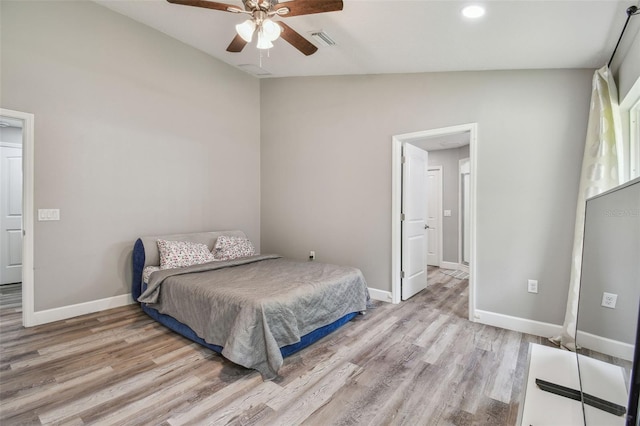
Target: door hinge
x,y
404,159
402,216
402,275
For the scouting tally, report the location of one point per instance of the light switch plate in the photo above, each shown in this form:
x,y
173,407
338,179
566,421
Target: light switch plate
x,y
447,213
48,214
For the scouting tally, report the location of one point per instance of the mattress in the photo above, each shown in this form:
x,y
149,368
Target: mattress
x,y
307,301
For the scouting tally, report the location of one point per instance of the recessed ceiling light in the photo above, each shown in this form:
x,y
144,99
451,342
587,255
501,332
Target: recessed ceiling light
x,y
473,11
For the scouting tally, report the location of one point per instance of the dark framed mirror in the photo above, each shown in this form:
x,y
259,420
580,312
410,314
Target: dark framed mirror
x,y
608,309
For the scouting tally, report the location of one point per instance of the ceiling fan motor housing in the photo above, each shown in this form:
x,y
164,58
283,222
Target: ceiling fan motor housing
x,y
253,5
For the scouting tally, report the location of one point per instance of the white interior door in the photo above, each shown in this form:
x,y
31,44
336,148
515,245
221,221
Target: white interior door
x,y
414,217
10,214
434,200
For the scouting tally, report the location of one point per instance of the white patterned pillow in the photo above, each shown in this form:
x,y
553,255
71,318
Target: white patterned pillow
x,y
178,254
228,248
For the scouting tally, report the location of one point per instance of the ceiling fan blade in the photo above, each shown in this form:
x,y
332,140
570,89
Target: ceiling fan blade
x,y
296,40
208,5
237,44
308,7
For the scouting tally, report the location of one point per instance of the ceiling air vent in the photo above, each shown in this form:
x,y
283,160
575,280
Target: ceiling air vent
x,y
254,69
322,38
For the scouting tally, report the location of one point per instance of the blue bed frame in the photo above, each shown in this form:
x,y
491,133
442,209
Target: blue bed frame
x,y
137,287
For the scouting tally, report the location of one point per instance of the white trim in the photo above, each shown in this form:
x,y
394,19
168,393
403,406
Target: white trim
x,y
473,209
440,219
396,207
460,212
11,145
634,141
384,296
71,311
396,194
606,346
28,225
630,150
450,265
522,325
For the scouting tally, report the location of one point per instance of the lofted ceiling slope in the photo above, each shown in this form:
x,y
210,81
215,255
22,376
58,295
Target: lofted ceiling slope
x,y
407,36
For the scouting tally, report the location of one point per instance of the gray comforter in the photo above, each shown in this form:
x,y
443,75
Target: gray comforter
x,y
255,305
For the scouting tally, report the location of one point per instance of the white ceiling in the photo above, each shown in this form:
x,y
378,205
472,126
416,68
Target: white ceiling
x,y
405,36
449,141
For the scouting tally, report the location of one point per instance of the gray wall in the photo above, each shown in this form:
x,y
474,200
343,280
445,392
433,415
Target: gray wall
x,y
326,172
449,159
135,134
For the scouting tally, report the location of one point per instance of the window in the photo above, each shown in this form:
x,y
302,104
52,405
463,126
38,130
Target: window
x,y
634,140
630,115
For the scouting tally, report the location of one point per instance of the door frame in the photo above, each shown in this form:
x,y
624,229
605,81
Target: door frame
x,y
396,205
28,224
461,264
440,219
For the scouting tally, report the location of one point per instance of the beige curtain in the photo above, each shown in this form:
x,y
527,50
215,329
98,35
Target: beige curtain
x,y
600,172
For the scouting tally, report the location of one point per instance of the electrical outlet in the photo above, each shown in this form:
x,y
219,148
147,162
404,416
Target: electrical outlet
x,y
609,300
312,255
532,286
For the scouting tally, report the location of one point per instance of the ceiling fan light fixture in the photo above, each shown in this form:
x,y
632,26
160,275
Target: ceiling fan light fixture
x,y
246,30
263,41
271,30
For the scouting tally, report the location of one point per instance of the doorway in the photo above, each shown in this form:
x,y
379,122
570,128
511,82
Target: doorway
x,y
10,201
24,234
428,140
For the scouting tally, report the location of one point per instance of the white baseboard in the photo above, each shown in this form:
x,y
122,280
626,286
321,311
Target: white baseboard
x,y
522,325
586,340
606,346
66,312
384,296
449,265
537,328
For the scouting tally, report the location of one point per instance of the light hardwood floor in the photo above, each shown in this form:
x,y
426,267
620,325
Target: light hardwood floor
x,y
417,363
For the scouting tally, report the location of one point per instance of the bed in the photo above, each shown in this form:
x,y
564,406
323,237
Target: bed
x,y
253,309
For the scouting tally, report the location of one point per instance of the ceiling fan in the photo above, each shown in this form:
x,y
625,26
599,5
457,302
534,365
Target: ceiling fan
x,y
260,23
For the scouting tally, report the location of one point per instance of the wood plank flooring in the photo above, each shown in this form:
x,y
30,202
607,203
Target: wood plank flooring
x,y
417,363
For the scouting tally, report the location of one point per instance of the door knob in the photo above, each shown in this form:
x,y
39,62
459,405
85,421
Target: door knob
x,y
426,227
